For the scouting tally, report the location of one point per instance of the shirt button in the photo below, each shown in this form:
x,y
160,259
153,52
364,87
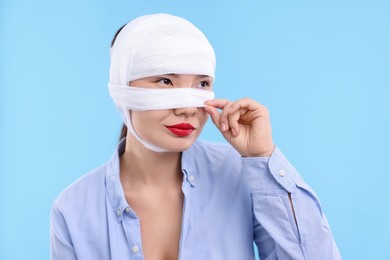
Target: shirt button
x,y
135,249
282,173
191,178
127,209
118,212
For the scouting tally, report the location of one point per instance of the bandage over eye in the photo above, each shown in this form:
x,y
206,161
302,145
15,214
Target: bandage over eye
x,y
154,45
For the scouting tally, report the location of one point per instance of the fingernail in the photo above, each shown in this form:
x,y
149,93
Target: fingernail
x,y
223,126
234,131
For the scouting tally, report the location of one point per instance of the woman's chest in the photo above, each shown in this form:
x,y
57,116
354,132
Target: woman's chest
x,y
160,219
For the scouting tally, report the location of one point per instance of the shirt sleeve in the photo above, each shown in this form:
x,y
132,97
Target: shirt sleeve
x,y
61,247
286,228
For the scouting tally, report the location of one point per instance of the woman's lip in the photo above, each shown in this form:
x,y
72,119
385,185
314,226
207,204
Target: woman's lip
x,y
182,129
184,126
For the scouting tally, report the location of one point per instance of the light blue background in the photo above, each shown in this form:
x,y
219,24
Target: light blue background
x,y
321,67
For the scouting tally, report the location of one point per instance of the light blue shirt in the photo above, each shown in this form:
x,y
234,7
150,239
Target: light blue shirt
x,y
229,203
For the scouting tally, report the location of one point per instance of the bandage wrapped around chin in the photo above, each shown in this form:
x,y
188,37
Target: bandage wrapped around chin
x,y
154,45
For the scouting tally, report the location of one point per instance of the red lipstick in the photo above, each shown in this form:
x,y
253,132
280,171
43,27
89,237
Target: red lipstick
x,y
182,129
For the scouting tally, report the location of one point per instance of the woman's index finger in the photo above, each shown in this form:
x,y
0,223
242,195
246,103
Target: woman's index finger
x,y
217,103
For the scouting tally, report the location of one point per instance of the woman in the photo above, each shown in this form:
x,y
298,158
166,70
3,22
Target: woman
x,y
165,195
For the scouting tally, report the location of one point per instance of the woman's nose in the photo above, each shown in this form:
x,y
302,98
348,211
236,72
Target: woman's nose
x,y
186,111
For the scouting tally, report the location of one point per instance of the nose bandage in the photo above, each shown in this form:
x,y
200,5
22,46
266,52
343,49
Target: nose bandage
x,y
143,99
154,45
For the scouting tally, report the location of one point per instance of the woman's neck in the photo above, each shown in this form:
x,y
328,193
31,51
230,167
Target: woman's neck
x,y
141,167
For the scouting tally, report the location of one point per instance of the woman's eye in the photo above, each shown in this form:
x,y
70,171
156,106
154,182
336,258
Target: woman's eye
x,y
204,84
165,81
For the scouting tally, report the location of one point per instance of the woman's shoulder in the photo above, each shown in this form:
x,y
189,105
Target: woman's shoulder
x,y
215,148
213,153
85,188
219,164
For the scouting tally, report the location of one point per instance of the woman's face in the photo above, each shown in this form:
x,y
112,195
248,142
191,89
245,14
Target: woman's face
x,y
172,129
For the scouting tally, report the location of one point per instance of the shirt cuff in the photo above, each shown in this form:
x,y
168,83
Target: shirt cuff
x,y
270,173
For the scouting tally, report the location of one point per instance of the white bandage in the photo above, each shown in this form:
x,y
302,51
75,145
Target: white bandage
x,y
143,99
160,44
154,45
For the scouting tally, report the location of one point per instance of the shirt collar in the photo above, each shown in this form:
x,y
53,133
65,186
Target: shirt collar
x,y
114,187
188,165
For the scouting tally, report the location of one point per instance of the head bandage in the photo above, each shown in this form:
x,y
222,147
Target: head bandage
x,y
155,45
